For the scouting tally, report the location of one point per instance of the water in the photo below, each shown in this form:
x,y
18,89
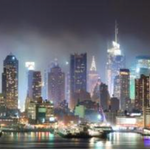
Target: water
x,y
48,140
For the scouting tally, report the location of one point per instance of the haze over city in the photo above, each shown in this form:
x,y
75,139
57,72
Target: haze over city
x,y
41,31
75,74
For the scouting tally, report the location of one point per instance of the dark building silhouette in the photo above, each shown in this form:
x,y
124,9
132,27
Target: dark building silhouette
x,y
78,75
104,97
114,104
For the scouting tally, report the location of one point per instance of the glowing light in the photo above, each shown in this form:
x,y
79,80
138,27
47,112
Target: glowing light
x,y
30,65
67,63
138,70
51,119
13,58
99,117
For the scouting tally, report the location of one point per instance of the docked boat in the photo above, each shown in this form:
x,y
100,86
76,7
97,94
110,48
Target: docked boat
x,y
83,131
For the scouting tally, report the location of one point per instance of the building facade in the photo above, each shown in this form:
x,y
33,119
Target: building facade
x,y
92,77
122,89
34,84
56,85
78,76
10,82
115,61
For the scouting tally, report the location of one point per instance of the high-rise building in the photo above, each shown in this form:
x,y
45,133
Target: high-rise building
x,y
124,89
104,97
67,87
142,65
92,77
78,75
34,84
132,84
142,97
56,85
115,61
10,82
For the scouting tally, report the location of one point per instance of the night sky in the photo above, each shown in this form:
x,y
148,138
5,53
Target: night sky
x,y
41,30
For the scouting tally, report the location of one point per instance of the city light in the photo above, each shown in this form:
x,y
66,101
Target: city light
x,y
30,65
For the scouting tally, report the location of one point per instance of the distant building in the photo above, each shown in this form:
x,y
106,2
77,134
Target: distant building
x,y
96,92
80,111
114,104
56,85
122,89
115,61
67,87
132,84
92,77
40,112
117,88
31,112
78,75
104,97
34,84
80,96
2,106
142,98
10,82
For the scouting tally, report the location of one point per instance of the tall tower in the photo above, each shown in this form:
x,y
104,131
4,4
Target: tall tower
x,y
78,75
124,89
34,82
92,77
115,61
142,97
10,82
56,85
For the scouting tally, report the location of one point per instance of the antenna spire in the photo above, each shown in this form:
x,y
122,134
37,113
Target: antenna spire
x,y
116,31
93,65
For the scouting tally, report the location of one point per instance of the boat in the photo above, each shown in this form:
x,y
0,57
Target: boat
x,y
83,131
1,132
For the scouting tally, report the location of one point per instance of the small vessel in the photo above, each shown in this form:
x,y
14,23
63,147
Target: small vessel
x,y
1,132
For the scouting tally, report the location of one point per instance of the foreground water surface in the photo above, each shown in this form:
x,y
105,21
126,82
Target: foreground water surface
x,y
49,140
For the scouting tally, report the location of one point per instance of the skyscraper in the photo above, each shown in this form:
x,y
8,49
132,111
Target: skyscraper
x,y
104,97
34,82
115,61
92,77
142,65
78,75
124,89
142,97
56,85
10,82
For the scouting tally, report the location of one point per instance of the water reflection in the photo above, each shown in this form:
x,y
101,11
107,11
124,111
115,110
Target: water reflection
x,y
49,140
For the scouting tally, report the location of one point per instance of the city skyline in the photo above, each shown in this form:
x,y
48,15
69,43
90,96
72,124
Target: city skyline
x,y
75,74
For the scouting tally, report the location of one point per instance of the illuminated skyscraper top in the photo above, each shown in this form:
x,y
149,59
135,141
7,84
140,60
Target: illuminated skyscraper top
x,y
115,50
10,81
92,76
93,65
115,61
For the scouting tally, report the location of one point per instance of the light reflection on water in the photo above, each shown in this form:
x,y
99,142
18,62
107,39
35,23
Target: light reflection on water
x,y
49,140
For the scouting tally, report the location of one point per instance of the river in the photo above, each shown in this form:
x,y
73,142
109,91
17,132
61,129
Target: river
x,y
49,140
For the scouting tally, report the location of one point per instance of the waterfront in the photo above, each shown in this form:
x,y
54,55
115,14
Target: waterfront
x,y
49,140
